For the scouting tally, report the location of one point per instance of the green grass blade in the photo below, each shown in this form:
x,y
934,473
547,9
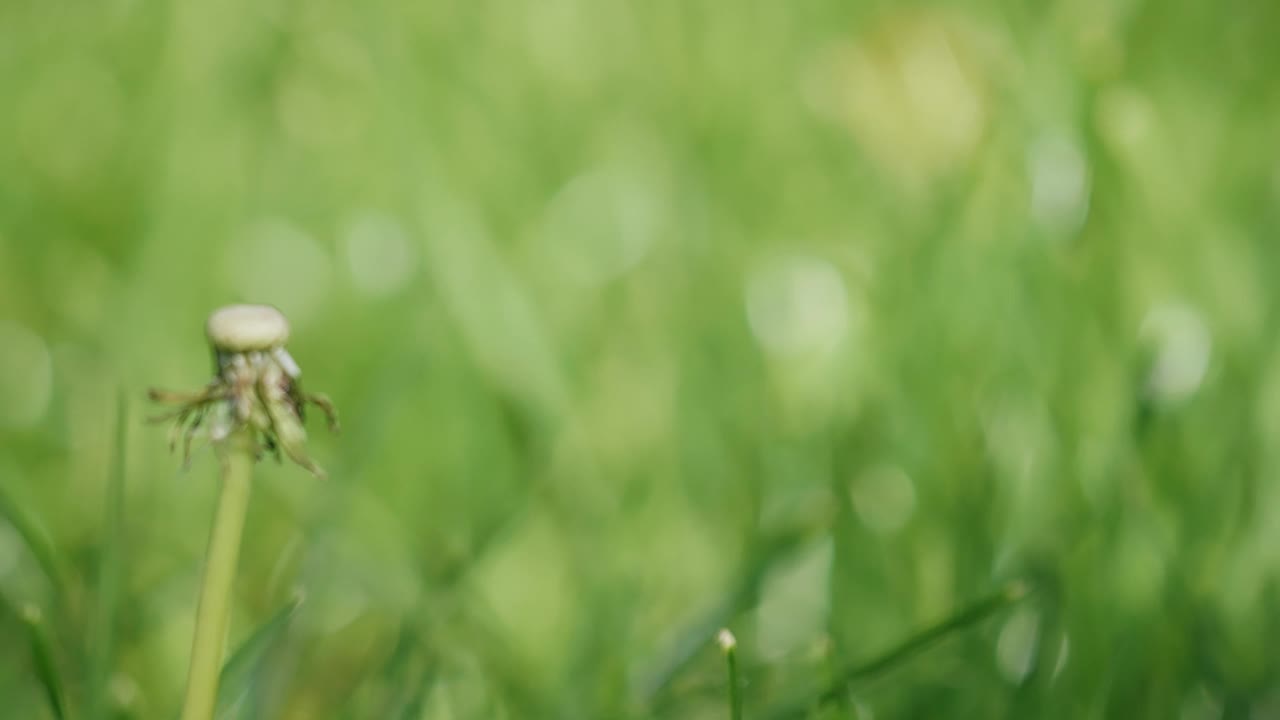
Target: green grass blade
x,y
962,619
37,544
101,650
243,668
46,666
409,672
43,657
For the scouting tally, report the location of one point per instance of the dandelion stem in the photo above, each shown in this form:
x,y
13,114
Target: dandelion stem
x,y
213,614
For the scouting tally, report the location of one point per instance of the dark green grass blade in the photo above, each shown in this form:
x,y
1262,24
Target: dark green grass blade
x,y
241,672
101,650
39,640
408,671
965,618
43,658
37,544
46,666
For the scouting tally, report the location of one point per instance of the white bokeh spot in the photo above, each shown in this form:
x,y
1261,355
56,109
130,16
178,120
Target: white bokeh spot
x,y
379,256
798,305
274,262
1059,176
884,498
1182,348
1017,644
601,224
26,376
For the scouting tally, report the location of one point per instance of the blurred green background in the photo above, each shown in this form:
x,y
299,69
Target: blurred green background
x,y
819,320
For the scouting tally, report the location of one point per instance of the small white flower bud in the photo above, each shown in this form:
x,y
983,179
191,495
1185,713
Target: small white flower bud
x,y
726,640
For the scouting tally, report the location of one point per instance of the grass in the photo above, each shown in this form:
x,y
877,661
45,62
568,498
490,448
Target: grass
x,y
111,570
822,321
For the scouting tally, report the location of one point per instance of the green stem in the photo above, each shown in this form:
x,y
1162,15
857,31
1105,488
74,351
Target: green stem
x,y
103,638
729,646
735,692
213,614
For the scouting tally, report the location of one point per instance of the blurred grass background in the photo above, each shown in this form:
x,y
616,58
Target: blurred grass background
x,y
820,320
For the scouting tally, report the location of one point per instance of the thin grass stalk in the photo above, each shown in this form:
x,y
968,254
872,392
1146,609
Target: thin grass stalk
x,y
729,646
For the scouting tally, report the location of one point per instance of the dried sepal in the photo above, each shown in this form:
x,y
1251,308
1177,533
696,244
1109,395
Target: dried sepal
x,y
256,386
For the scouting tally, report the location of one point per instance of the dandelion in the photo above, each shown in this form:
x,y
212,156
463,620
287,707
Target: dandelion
x,y
254,405
257,387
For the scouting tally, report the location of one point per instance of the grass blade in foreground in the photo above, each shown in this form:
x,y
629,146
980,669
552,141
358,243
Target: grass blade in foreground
x,y
240,674
102,638
37,544
42,657
965,618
